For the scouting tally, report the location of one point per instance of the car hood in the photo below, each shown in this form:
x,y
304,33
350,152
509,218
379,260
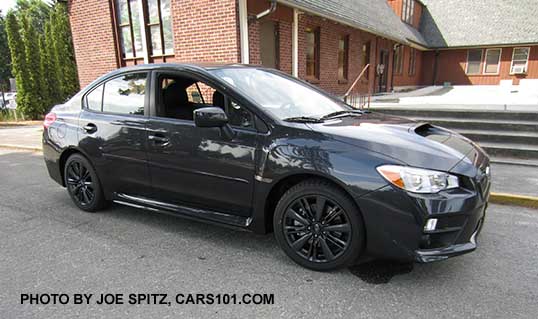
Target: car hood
x,y
416,144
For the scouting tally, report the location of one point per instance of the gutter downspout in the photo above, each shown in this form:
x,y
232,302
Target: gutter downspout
x,y
267,12
243,26
295,44
243,32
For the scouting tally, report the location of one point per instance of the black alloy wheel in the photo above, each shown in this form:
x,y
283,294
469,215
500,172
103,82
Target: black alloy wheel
x,y
318,226
82,184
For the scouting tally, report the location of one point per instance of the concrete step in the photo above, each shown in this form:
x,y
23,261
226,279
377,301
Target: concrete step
x,y
487,124
513,150
521,137
462,114
508,137
514,161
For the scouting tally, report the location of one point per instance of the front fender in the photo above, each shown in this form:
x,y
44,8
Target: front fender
x,y
350,167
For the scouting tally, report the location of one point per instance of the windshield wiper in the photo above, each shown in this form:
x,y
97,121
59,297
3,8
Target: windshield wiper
x,y
342,113
304,119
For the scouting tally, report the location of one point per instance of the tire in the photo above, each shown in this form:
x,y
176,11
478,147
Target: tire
x,y
85,190
322,241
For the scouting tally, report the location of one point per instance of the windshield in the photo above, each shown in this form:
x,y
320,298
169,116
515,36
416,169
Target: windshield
x,y
279,94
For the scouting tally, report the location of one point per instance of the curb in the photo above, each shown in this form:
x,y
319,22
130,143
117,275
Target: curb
x,y
495,198
512,199
21,147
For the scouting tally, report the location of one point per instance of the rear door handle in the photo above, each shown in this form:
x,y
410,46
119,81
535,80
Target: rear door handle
x,y
90,128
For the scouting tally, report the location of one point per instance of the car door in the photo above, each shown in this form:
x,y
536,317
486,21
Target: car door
x,y
200,167
113,133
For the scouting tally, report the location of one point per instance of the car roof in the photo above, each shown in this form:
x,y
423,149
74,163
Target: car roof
x,y
199,65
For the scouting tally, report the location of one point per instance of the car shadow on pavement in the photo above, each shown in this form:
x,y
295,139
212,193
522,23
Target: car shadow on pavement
x,y
380,271
371,272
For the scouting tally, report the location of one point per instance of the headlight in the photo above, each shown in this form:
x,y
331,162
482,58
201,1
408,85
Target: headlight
x,y
418,180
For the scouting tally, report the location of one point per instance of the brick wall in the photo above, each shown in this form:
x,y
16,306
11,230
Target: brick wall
x,y
405,79
452,65
93,38
205,30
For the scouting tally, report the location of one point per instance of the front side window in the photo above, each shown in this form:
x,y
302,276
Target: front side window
x,y
125,94
180,96
312,53
493,61
287,98
474,59
520,60
135,17
343,53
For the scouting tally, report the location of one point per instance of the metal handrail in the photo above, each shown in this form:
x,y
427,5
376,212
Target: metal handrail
x,y
356,81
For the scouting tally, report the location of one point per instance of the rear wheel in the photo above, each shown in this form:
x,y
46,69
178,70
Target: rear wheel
x,y
319,226
83,184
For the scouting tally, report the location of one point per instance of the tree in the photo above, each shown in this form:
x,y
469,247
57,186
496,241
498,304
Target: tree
x,y
64,53
44,69
18,59
49,59
36,10
35,98
5,56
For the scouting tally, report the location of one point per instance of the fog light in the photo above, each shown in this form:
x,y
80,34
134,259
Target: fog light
x,y
430,224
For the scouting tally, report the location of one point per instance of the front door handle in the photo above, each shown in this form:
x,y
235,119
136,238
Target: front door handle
x,y
90,128
158,139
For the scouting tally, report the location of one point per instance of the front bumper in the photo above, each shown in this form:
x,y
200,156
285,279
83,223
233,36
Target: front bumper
x,y
395,222
431,255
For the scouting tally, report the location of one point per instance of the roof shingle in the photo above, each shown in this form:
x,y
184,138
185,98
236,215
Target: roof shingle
x,y
375,16
464,23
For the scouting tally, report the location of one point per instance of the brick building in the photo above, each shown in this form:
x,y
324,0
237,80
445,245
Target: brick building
x,y
407,43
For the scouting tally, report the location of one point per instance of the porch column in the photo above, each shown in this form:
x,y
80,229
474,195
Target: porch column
x,y
243,32
295,44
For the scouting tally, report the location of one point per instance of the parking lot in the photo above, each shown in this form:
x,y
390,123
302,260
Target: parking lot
x,y
49,246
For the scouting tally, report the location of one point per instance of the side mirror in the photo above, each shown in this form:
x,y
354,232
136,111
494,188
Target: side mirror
x,y
210,117
213,117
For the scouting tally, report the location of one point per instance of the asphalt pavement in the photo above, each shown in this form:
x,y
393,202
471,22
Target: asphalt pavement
x,y
49,246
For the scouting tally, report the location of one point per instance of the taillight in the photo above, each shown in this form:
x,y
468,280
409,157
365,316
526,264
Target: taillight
x,y
49,119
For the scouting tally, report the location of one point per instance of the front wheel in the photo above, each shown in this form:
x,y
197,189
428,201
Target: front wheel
x,y
318,226
83,184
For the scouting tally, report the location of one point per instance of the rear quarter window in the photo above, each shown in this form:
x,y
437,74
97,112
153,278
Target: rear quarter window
x,y
94,99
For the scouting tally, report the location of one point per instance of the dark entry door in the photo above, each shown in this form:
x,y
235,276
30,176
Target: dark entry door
x,y
113,133
196,166
269,44
383,70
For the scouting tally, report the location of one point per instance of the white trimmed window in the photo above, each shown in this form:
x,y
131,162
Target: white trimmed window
x,y
493,61
144,26
474,59
408,11
520,60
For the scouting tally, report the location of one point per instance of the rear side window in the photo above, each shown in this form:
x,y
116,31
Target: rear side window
x,y
125,94
94,100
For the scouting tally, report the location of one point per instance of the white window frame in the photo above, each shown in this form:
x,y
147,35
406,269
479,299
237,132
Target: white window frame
x,y
467,62
526,64
408,11
498,62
